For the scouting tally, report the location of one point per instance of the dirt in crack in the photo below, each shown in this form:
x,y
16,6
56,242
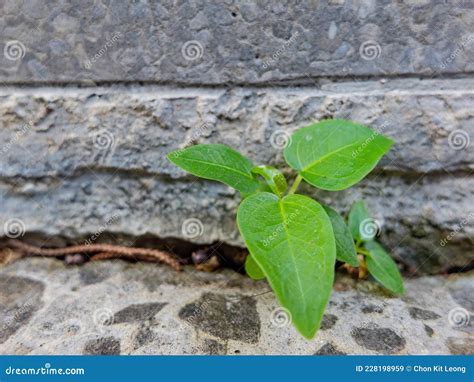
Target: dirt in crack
x,y
146,248
173,252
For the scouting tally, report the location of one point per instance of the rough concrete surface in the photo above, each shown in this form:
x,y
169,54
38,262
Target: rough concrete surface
x,y
78,161
122,308
196,42
132,128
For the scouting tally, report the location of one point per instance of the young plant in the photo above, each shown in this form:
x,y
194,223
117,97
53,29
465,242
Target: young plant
x,y
293,240
378,262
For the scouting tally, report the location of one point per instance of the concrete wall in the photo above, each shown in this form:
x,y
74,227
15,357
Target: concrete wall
x,y
95,93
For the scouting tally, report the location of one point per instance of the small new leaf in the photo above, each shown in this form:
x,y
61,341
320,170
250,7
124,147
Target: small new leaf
x,y
217,162
382,267
252,269
358,216
292,241
274,178
335,154
345,248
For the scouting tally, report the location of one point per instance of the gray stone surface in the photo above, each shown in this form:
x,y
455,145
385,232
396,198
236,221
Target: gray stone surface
x,y
149,309
93,161
62,132
415,214
196,42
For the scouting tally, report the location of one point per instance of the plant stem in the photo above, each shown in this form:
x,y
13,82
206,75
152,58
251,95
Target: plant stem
x,y
363,272
295,184
362,252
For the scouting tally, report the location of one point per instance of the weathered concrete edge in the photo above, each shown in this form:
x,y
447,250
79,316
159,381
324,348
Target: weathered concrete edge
x,y
425,118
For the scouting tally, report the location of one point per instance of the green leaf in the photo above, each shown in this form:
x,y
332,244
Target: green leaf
x,y
274,178
292,241
345,248
252,269
335,154
357,215
362,226
382,267
217,162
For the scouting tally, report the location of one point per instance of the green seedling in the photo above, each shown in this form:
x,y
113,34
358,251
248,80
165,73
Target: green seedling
x,y
292,239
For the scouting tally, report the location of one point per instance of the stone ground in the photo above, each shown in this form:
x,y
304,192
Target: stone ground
x,y
115,307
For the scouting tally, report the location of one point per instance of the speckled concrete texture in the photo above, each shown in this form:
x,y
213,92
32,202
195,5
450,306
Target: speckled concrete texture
x,y
115,307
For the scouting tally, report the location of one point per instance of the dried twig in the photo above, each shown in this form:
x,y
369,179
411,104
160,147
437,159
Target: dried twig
x,y
101,251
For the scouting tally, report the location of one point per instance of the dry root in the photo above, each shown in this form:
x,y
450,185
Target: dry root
x,y
94,251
